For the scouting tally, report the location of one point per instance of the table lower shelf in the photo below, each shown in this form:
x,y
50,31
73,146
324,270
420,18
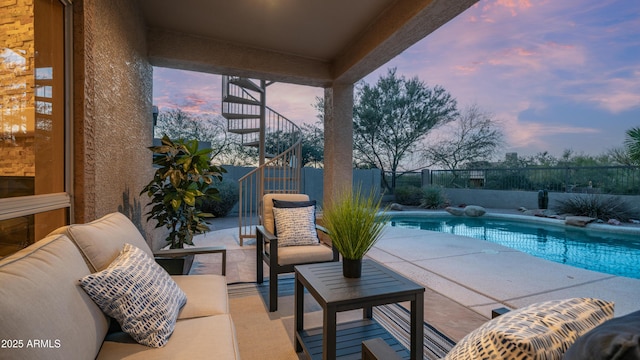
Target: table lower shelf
x,y
349,340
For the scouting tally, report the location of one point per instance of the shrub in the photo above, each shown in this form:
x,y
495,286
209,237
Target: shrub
x,y
408,195
228,197
433,198
597,206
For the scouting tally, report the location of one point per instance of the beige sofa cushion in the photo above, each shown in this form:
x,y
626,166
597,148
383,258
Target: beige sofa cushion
x,y
211,337
206,295
40,299
101,240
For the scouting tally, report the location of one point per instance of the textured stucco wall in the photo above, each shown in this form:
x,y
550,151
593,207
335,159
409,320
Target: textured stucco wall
x,y
112,117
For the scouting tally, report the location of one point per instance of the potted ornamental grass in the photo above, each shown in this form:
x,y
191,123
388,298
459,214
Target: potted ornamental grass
x,y
355,222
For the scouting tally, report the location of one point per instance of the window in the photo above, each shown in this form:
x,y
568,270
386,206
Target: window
x,y
33,121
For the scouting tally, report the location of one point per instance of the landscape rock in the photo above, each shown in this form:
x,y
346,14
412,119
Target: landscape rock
x,y
580,221
541,213
454,211
474,210
549,213
396,207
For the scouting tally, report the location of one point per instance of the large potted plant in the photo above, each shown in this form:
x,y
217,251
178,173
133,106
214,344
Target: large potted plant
x,y
182,179
355,222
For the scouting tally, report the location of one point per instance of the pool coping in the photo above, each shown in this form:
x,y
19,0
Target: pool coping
x,y
599,227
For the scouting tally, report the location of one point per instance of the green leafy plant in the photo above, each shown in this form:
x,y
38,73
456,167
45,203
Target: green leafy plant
x,y
433,198
596,206
183,178
632,144
355,223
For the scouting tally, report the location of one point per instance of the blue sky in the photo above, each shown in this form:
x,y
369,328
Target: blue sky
x,y
556,74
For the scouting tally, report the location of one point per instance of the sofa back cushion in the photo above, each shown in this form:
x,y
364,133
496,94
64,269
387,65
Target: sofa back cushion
x,y
43,307
101,240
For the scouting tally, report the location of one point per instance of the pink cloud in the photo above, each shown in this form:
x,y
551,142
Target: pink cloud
x,y
467,69
533,135
508,56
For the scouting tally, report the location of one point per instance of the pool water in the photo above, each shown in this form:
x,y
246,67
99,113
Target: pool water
x,y
611,253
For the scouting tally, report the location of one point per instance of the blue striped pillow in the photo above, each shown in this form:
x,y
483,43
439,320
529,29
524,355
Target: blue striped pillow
x,y
139,294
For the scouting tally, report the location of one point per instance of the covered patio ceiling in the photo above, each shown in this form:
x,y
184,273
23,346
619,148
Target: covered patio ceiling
x,y
311,42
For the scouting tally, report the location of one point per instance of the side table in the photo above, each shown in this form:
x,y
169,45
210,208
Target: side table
x,y
378,285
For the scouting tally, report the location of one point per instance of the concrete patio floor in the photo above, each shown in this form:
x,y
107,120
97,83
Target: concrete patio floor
x,y
464,278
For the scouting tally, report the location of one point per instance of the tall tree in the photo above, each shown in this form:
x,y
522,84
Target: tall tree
x,y
313,145
179,124
392,117
632,143
474,136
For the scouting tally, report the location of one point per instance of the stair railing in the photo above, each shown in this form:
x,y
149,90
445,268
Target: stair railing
x,y
280,174
283,147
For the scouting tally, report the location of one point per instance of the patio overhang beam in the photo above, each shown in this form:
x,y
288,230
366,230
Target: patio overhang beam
x,y
396,29
401,26
188,52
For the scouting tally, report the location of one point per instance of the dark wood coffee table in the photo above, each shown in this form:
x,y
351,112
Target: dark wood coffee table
x,y
377,286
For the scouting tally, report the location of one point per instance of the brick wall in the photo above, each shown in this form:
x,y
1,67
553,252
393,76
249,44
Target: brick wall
x,y
16,88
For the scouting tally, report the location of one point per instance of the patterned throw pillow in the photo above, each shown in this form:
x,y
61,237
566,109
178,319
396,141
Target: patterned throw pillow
x,y
539,331
296,225
139,294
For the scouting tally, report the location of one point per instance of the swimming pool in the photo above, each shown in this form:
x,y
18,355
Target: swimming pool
x,y
615,253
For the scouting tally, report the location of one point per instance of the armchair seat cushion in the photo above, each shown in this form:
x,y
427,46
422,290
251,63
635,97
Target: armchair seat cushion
x,y
304,254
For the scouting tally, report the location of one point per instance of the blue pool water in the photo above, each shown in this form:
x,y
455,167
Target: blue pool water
x,y
611,253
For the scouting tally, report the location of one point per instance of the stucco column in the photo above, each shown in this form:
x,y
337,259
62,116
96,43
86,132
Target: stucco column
x,y
338,140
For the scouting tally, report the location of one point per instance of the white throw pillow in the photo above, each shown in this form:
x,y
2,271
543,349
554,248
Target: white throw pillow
x,y
139,294
296,226
543,330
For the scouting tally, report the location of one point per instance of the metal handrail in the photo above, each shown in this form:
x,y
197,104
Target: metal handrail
x,y
282,142
281,173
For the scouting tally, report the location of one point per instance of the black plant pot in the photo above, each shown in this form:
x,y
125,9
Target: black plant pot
x,y
352,268
176,266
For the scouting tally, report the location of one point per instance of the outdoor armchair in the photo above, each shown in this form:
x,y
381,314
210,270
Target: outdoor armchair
x,y
292,242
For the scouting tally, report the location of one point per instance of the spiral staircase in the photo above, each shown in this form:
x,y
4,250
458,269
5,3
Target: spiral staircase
x,y
277,139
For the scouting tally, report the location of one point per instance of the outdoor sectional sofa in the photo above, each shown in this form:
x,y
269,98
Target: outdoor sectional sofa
x,y
46,314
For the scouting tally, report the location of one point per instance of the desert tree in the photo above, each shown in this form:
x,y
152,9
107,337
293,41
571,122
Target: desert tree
x,y
392,117
179,124
619,156
313,145
473,136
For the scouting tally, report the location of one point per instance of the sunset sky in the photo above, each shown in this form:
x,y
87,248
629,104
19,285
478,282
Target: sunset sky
x,y
556,74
